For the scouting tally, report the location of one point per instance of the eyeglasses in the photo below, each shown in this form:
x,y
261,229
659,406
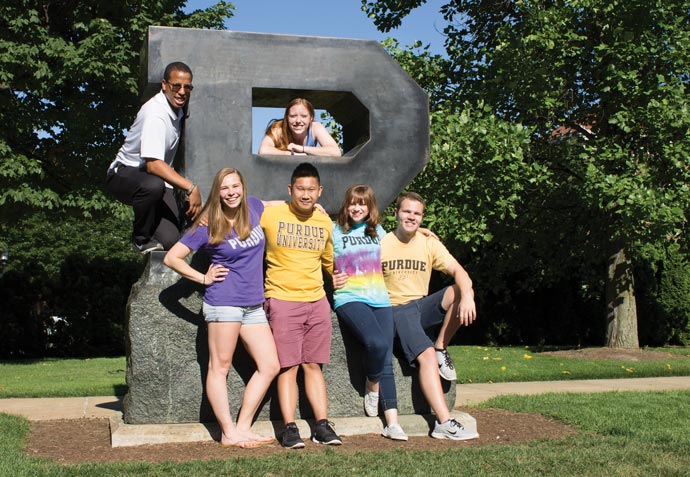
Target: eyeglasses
x,y
176,87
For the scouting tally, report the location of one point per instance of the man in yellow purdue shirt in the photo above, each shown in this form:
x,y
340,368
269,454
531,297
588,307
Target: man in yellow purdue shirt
x,y
299,245
407,258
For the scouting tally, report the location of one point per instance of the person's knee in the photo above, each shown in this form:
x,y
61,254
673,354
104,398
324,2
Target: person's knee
x,y
152,188
220,367
377,348
427,357
271,368
311,367
451,296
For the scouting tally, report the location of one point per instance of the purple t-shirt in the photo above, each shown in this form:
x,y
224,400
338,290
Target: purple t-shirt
x,y
244,283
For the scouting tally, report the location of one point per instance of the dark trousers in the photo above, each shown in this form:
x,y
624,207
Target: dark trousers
x,y
373,327
156,215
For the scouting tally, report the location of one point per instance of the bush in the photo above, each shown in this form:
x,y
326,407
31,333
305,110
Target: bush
x,y
663,299
66,286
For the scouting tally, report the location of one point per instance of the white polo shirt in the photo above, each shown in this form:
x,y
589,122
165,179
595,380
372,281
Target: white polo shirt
x,y
155,134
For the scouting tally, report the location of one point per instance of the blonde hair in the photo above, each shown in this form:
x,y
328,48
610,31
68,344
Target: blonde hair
x,y
214,210
279,130
364,195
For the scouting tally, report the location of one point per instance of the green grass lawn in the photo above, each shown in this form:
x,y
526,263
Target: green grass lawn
x,y
63,377
481,364
475,364
620,434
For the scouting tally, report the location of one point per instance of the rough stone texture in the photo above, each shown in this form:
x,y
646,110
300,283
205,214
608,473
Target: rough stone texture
x,y
167,359
384,113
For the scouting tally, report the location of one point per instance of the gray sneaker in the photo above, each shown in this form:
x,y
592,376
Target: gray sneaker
x,y
452,429
446,368
147,247
371,403
394,432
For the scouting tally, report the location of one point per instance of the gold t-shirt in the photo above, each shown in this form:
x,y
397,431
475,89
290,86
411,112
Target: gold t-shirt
x,y
297,248
407,266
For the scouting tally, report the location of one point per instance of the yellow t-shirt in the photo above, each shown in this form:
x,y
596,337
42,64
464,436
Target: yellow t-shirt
x,y
297,248
407,266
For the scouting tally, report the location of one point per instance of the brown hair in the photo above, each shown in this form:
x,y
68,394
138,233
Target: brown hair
x,y
410,196
359,194
218,225
279,130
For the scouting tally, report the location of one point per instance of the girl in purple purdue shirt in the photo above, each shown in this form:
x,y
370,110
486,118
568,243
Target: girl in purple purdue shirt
x,y
233,300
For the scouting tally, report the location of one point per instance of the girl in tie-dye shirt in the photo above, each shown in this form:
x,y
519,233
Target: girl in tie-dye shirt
x,y
363,304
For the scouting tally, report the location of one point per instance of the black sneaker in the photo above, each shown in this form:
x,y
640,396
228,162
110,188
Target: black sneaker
x,y
147,247
291,438
324,434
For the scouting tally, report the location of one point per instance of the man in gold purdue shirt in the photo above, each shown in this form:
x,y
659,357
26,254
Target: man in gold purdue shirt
x,y
299,245
407,259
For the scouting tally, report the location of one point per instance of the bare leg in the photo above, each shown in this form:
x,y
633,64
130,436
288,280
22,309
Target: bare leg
x,y
315,387
222,340
430,382
372,387
287,393
451,322
258,341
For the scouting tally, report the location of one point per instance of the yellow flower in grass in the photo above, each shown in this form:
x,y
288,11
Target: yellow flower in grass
x,y
485,358
503,368
498,358
527,356
668,367
565,372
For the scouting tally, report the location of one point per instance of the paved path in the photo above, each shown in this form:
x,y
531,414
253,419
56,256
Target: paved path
x,y
105,406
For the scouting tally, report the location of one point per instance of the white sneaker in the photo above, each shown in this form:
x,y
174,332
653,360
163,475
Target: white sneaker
x,y
371,403
395,432
452,429
446,368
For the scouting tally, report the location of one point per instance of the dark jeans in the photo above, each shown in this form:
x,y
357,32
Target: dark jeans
x,y
373,327
156,215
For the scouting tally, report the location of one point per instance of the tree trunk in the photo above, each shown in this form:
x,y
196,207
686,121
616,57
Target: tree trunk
x,y
621,309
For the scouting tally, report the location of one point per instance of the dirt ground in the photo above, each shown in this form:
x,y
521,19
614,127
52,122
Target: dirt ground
x,y
88,440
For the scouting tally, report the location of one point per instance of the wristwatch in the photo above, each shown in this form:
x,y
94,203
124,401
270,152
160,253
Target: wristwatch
x,y
191,189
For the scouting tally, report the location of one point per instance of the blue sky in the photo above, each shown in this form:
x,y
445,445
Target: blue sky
x,y
333,18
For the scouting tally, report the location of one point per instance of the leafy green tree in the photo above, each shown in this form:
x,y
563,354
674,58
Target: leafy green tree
x,y
602,89
69,90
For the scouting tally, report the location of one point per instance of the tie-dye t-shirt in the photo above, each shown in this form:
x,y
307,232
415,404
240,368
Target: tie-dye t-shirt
x,y
360,256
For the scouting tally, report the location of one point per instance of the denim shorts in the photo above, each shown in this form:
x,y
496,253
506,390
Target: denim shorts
x,y
414,320
247,315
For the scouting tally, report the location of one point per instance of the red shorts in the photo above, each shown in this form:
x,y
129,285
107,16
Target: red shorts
x,y
302,331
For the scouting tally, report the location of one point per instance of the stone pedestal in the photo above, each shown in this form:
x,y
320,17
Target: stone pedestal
x,y
167,359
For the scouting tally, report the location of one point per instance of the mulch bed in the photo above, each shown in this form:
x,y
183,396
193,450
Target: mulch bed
x,y
88,440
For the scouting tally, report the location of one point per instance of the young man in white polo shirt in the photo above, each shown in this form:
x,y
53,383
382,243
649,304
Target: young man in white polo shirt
x,y
142,174
407,258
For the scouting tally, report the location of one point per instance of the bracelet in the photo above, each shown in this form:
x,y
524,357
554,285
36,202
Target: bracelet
x,y
204,279
191,189
304,151
292,153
